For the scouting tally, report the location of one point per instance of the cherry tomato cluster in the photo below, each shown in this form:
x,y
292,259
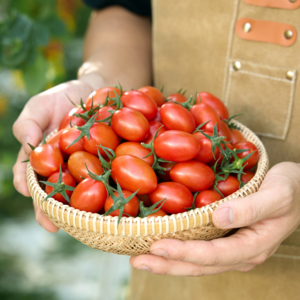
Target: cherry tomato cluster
x,y
137,153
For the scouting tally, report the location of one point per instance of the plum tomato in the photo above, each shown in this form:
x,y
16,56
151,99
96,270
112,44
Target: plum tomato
x,y
253,159
195,175
100,134
135,149
159,213
228,186
132,173
46,160
104,112
68,136
131,208
154,93
89,195
67,179
76,165
215,103
168,166
247,176
176,146
154,126
207,197
130,124
141,102
177,97
225,131
178,196
176,117
70,118
236,136
54,141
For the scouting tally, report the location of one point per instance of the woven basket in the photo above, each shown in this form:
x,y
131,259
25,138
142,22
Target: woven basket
x,y
134,236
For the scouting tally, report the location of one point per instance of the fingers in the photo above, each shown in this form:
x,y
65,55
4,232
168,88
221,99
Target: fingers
x,y
43,221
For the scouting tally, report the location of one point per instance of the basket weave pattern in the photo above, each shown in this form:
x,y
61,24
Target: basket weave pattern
x,y
134,236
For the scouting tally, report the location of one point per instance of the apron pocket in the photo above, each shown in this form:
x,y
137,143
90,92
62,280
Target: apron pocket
x,y
264,94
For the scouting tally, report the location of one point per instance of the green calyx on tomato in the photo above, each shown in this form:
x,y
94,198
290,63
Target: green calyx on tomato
x,y
193,205
88,113
32,147
231,125
119,201
59,187
104,178
146,211
181,91
189,103
110,154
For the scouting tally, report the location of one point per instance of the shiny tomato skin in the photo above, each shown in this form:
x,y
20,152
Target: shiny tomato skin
x,y
100,134
67,137
176,146
177,97
89,195
154,93
207,197
228,186
225,131
131,208
252,161
168,166
178,196
99,96
158,116
46,159
135,149
130,124
69,117
202,113
104,112
159,213
214,102
76,165
195,175
154,126
132,173
176,117
141,102
205,153
245,178
236,136
67,179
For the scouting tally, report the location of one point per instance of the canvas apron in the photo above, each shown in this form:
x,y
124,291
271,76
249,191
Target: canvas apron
x,y
205,45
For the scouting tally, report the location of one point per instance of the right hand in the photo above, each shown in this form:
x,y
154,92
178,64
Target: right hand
x,y
43,113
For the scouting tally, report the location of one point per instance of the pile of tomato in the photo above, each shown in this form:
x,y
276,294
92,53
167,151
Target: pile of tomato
x,y
137,153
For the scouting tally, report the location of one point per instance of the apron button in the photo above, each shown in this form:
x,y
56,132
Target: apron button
x,y
237,65
290,75
247,27
288,34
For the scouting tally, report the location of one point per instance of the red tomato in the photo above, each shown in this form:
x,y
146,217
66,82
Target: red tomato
x,y
89,196
219,156
158,117
131,208
145,199
130,124
46,159
68,136
154,93
215,103
228,186
54,141
202,113
154,126
168,167
104,112
100,134
177,97
250,162
195,175
205,153
65,168
141,102
236,136
99,96
67,179
159,213
69,117
132,173
207,197
178,197
76,165
176,117
245,178
225,131
135,149
176,146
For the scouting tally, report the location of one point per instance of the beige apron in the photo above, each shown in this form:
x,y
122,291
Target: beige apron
x,y
196,46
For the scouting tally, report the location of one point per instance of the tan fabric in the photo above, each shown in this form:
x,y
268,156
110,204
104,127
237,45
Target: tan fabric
x,y
194,47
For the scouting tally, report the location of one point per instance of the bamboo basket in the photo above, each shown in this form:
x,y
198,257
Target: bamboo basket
x,y
134,236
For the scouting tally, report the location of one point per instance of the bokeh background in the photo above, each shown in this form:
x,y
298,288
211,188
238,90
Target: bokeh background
x,y
40,47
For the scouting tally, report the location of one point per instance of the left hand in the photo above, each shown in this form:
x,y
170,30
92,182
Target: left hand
x,y
267,217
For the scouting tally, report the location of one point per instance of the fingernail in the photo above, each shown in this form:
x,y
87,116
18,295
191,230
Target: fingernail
x,y
224,217
160,252
143,268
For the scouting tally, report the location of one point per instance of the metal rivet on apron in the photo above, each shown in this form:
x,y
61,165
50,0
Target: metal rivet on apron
x,y
290,75
247,27
236,65
288,34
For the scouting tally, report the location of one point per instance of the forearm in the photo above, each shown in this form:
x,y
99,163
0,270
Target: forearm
x,y
117,47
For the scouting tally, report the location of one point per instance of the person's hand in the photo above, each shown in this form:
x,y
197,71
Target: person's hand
x,y
43,113
268,217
